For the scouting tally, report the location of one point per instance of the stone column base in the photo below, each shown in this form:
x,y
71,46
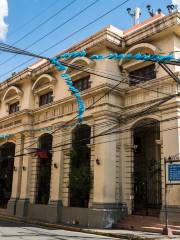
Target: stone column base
x,y
11,207
54,211
173,214
98,216
106,215
45,212
22,206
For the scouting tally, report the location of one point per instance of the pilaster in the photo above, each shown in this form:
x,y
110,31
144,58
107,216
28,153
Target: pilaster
x,y
22,203
170,132
55,202
17,175
106,197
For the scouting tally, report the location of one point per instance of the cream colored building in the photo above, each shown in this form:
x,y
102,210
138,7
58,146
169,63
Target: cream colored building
x,y
126,166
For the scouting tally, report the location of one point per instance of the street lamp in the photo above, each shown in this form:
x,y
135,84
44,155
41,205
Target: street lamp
x,y
171,8
150,10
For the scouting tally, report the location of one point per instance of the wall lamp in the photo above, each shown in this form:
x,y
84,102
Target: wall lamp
x,y
15,169
55,165
24,168
98,161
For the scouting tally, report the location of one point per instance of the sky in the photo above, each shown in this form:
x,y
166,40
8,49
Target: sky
x,y
20,17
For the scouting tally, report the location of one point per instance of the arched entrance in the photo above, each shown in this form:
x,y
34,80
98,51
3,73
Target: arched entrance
x,y
147,168
79,177
7,152
44,168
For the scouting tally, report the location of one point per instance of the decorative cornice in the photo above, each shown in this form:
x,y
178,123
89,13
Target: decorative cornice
x,y
156,27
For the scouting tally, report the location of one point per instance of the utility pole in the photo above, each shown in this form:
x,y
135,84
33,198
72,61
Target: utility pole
x,y
166,229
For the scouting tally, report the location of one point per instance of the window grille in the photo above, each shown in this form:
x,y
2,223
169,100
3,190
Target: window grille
x,y
14,107
46,98
83,83
141,75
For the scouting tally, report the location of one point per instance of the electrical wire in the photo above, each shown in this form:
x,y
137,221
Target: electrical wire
x,y
96,73
99,126
120,131
72,34
103,96
52,4
12,49
54,29
65,124
144,112
102,125
82,68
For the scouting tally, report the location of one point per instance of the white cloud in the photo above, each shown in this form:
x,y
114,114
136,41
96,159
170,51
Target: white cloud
x,y
176,2
3,14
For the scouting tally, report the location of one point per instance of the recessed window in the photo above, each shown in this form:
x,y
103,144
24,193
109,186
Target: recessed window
x,y
83,83
141,75
14,107
46,98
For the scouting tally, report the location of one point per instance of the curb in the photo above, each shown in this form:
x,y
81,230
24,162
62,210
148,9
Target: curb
x,y
77,229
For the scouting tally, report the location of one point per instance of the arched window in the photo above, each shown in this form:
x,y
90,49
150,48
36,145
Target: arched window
x,y
43,89
79,178
44,171
13,98
81,80
7,152
139,71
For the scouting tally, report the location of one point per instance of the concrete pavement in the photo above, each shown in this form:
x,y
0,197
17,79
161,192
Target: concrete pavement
x,y
14,228
22,231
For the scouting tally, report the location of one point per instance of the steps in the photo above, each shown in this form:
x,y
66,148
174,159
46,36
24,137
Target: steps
x,y
146,224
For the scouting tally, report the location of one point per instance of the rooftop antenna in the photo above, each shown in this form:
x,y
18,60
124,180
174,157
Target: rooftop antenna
x,y
151,11
135,14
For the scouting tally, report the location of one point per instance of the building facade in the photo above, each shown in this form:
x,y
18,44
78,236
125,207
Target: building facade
x,y
112,165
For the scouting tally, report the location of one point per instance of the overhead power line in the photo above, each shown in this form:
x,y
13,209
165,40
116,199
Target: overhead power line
x,y
54,29
70,35
5,47
105,133
65,124
44,10
105,94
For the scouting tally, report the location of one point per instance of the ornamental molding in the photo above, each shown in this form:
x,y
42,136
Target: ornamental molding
x,y
40,85
17,96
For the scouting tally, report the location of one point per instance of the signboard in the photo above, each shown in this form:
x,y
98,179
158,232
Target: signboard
x,y
174,172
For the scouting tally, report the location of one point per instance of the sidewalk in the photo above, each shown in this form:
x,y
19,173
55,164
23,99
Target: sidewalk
x,y
115,233
131,235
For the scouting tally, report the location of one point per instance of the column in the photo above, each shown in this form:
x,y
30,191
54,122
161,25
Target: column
x,y
105,207
105,170
66,149
23,202
170,134
16,183
126,168
55,202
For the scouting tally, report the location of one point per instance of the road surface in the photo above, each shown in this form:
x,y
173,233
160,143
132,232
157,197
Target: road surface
x,y
23,231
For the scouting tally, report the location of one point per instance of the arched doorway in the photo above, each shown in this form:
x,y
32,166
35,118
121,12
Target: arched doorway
x,y
79,178
7,152
44,168
147,168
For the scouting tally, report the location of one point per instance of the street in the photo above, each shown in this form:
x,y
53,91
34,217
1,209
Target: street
x,y
23,231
